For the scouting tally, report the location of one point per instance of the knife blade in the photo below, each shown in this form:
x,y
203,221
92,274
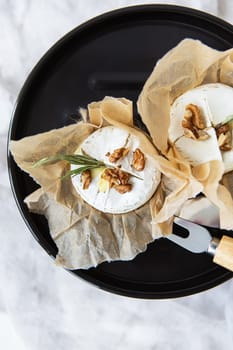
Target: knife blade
x,y
200,240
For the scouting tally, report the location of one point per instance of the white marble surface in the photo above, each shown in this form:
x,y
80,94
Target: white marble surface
x,y
48,307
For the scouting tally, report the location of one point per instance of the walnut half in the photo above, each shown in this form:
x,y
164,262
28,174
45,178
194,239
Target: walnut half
x,y
118,179
123,188
224,136
138,160
193,112
194,123
86,179
117,154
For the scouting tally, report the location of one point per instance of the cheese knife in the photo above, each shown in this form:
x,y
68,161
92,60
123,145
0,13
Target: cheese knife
x,y
200,240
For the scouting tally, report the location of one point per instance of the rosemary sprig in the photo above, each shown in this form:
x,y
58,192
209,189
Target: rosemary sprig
x,y
77,171
85,163
76,159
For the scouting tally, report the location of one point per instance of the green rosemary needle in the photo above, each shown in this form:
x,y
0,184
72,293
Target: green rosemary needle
x,y
83,161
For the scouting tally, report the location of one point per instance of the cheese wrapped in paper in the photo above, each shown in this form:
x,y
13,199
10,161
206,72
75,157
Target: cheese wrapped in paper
x,y
189,65
85,236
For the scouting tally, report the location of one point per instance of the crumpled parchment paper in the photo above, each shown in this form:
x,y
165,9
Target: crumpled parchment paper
x,y
85,237
189,64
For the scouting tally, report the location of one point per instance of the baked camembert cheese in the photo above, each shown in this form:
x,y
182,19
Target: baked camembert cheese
x,y
201,124
127,180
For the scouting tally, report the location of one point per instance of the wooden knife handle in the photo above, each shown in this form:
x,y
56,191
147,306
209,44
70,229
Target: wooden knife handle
x,y
224,253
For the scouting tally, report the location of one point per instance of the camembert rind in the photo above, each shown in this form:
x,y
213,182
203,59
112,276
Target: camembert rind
x,y
144,183
215,102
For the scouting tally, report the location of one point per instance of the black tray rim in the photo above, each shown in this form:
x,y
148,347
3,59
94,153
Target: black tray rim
x,y
87,275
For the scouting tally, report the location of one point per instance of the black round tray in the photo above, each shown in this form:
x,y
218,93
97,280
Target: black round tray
x,y
113,54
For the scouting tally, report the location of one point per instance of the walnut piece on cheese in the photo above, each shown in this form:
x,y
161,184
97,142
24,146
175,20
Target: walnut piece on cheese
x,y
138,160
123,188
117,154
118,179
86,179
194,123
224,136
